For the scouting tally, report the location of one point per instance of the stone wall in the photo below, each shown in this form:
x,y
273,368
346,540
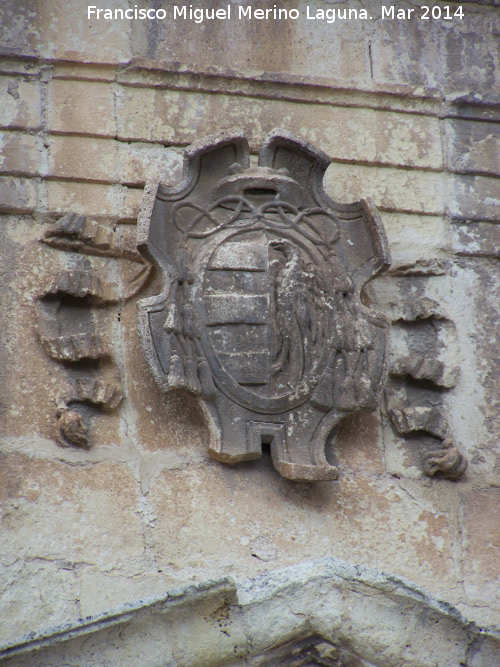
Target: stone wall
x,y
409,113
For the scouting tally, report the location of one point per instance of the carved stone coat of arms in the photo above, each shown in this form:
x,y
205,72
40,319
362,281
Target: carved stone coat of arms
x,y
261,314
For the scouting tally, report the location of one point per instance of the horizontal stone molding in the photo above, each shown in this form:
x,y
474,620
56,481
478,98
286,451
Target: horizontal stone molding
x,y
411,99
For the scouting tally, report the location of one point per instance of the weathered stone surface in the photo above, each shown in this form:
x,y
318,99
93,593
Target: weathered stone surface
x,y
416,239
110,161
18,195
20,153
154,114
424,368
75,347
17,27
477,239
140,162
21,103
424,363
38,576
477,327
420,308
357,444
133,580
446,460
81,107
80,234
475,198
169,431
100,392
409,110
442,53
79,157
66,511
56,30
116,201
82,285
67,330
71,329
423,418
343,47
364,616
290,516
461,196
368,54
476,69
406,191
473,106
71,429
473,147
481,545
37,380
23,372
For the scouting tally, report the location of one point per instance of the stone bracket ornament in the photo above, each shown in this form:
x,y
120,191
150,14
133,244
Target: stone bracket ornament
x,y
261,314
73,313
423,368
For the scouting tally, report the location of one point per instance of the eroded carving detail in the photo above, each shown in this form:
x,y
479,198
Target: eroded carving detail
x,y
261,315
429,425
103,393
422,368
70,323
77,233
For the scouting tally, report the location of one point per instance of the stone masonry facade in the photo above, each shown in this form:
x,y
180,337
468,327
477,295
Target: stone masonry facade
x,y
409,112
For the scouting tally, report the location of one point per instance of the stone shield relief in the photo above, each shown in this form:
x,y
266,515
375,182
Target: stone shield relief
x,y
261,314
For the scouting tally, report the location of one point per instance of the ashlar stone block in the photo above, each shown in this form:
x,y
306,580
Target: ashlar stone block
x,y
20,153
81,107
473,147
21,103
80,514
